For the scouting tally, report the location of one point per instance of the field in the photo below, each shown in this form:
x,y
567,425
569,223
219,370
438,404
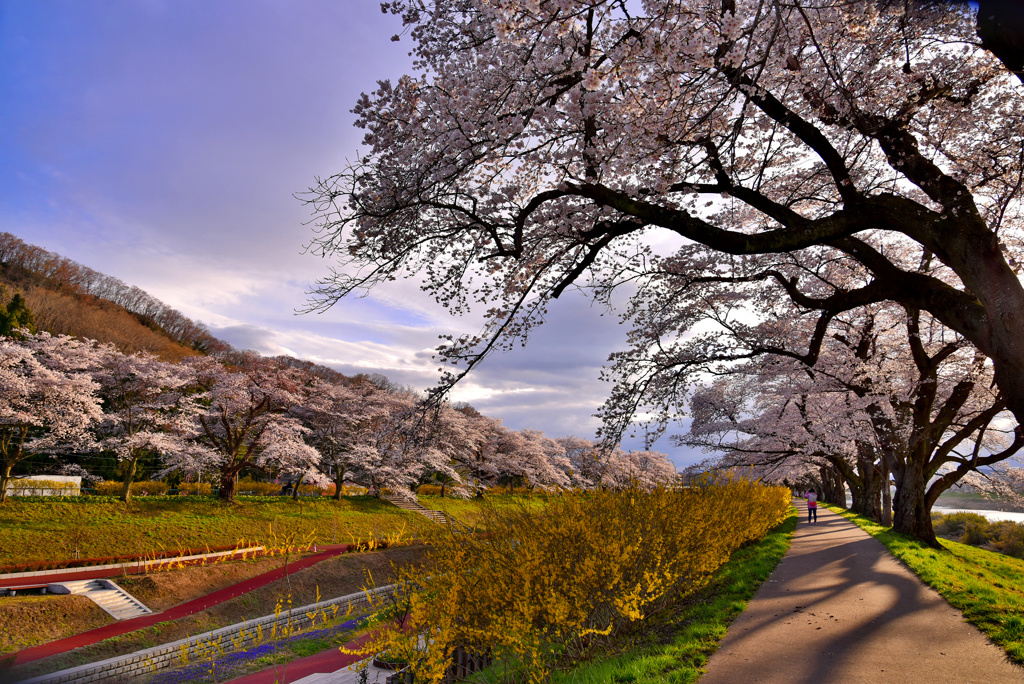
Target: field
x,y
92,527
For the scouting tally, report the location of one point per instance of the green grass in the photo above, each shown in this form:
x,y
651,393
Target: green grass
x,y
42,529
987,587
53,529
468,511
675,647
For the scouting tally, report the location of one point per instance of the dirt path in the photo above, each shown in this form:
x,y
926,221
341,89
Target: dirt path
x,y
180,611
840,608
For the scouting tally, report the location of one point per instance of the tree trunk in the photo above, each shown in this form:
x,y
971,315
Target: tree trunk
x,y
339,483
867,501
131,467
227,485
911,513
5,478
832,490
886,493
1000,26
295,491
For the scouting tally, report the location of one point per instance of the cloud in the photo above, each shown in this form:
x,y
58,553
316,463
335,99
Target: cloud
x,y
162,143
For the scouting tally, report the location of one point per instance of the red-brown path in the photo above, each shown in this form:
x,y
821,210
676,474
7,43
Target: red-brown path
x,y
185,609
327,661
840,608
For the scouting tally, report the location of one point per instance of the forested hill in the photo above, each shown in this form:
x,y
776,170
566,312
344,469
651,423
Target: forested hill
x,y
67,298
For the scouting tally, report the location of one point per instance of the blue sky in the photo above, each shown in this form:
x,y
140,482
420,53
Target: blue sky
x,y
162,142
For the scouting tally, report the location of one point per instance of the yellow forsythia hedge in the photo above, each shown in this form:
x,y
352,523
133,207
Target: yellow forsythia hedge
x,y
42,487
194,488
254,488
146,487
543,589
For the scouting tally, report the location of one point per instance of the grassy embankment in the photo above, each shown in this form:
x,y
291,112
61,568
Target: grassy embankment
x,y
987,587
42,529
46,530
336,576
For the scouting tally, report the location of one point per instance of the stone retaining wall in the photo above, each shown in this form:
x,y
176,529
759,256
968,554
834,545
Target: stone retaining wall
x,y
200,647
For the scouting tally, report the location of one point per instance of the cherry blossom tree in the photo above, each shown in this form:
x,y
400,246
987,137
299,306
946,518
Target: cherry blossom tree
x,y
330,413
143,407
531,461
586,462
549,144
241,419
45,405
890,391
389,446
641,468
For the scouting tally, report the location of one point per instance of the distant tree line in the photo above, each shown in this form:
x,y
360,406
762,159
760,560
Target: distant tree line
x,y
215,418
69,278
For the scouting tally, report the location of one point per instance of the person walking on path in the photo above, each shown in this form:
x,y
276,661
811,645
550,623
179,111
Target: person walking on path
x,y
812,506
839,608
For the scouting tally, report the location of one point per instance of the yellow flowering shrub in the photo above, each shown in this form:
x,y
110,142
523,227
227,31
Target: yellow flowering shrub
x,y
141,488
543,589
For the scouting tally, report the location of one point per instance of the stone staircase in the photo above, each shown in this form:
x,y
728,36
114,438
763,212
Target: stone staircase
x,y
414,506
116,601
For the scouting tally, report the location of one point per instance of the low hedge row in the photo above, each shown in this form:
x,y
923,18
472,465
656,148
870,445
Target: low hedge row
x,y
1002,536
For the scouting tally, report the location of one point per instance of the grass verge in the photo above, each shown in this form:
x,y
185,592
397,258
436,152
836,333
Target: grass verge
x,y
675,647
48,529
987,587
42,530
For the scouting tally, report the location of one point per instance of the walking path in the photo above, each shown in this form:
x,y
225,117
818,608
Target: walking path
x,y
333,665
840,608
185,609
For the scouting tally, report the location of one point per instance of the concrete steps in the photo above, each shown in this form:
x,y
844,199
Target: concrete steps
x,y
414,506
106,594
375,675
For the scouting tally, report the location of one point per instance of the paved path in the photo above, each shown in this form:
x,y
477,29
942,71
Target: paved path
x,y
839,608
332,662
185,609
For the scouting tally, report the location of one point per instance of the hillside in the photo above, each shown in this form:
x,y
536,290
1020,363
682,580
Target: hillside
x,y
67,298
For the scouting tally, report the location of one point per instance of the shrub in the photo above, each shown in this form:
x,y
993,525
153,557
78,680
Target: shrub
x,y
954,524
312,490
516,491
41,488
1007,537
1004,536
540,590
975,533
253,488
194,488
143,488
